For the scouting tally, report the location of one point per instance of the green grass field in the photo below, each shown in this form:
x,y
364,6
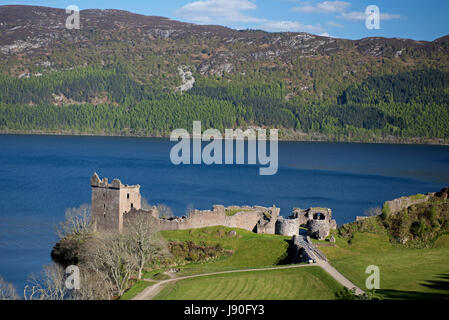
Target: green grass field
x,y
309,283
250,250
404,273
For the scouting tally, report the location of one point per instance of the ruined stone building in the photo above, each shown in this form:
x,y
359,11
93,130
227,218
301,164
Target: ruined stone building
x,y
113,203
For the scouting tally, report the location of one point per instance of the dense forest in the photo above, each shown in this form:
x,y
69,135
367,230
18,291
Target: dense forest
x,y
414,104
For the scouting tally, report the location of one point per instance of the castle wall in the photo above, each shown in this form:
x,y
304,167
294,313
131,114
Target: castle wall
x,y
287,227
114,203
208,218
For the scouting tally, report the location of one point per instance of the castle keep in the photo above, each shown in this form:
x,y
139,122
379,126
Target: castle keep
x,y
113,203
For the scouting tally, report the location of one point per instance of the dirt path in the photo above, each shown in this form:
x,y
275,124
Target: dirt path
x,y
338,276
150,292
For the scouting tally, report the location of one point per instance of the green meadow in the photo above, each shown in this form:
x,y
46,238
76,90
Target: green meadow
x,y
404,273
308,283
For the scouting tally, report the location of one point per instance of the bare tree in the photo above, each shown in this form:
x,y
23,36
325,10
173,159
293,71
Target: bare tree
x,y
93,286
371,212
189,209
164,211
48,285
109,256
145,205
77,222
7,290
146,243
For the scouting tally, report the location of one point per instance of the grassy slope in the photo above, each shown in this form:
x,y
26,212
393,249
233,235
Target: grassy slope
x,y
311,283
404,273
250,250
138,287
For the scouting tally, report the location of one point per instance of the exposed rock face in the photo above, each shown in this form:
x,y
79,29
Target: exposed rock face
x,y
187,79
318,229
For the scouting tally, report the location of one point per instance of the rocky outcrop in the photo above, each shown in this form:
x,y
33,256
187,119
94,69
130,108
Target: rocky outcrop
x,y
187,79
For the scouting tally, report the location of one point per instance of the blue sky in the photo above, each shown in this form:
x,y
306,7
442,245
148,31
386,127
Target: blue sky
x,y
415,19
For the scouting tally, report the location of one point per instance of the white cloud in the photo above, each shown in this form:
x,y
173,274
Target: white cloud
x,y
335,24
292,26
218,11
323,7
355,16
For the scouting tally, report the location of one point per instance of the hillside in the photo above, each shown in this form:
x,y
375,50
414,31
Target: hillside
x,y
124,73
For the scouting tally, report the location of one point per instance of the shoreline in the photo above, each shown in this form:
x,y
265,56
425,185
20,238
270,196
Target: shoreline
x,y
301,137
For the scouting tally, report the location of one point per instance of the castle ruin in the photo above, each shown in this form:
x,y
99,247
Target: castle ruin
x,y
114,203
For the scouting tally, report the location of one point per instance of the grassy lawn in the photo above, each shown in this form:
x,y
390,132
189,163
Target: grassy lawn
x,y
404,273
309,283
250,250
231,212
138,287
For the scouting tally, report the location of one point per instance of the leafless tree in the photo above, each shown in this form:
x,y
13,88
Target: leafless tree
x,y
77,222
93,286
371,212
145,243
109,256
7,290
145,205
48,285
189,209
164,211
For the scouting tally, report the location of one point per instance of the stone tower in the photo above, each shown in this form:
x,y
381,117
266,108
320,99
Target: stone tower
x,y
111,201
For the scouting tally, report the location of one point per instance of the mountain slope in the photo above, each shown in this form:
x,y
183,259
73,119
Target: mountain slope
x,y
294,81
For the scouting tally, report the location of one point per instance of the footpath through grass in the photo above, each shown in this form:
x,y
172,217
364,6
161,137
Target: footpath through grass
x,y
138,287
404,273
308,283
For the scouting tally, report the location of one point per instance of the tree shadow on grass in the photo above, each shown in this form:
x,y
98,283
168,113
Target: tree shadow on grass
x,y
442,285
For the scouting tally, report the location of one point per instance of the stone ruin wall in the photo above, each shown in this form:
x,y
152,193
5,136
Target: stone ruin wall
x,y
113,204
305,216
397,205
287,227
247,219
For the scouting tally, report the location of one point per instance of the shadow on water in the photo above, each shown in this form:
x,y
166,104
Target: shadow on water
x,y
442,285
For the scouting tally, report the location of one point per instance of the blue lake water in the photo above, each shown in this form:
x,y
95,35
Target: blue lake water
x,y
42,176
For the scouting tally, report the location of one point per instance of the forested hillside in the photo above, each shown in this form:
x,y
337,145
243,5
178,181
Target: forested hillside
x,y
127,74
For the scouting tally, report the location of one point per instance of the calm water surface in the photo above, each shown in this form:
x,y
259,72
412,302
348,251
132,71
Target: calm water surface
x,y
42,176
